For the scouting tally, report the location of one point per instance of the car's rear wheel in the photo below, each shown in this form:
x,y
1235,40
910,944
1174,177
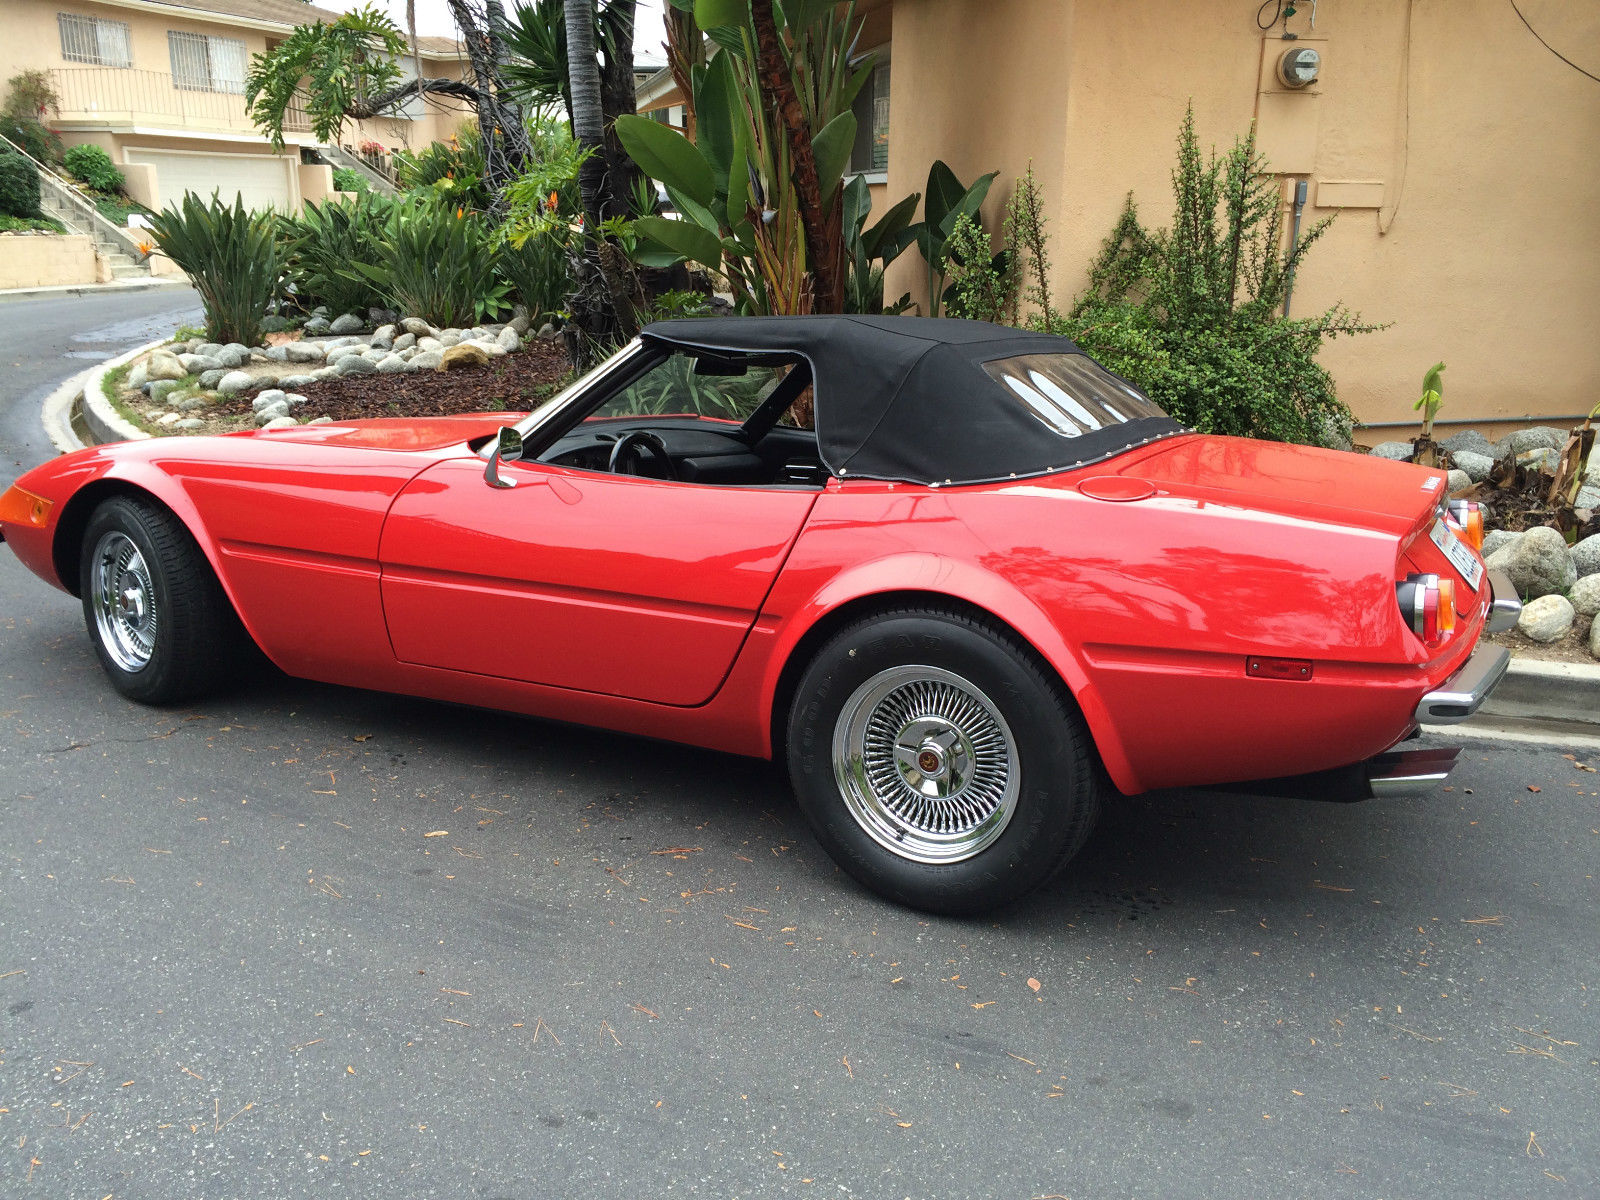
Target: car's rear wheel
x,y
160,623
938,761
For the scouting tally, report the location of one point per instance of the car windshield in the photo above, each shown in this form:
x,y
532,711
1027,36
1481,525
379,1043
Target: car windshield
x,y
1070,393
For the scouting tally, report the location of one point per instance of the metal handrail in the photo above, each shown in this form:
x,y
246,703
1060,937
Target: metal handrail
x,y
344,158
97,221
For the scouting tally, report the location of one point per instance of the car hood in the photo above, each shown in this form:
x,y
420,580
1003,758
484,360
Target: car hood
x,y
1299,481
400,433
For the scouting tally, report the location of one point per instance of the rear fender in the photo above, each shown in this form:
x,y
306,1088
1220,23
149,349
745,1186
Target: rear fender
x,y
930,578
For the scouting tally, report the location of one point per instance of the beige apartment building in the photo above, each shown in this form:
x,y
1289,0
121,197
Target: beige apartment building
x,y
1456,141
159,84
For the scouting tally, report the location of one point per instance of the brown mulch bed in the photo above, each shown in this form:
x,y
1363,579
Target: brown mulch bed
x,y
516,383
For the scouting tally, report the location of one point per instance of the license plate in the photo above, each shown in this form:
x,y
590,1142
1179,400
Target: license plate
x,y
1459,553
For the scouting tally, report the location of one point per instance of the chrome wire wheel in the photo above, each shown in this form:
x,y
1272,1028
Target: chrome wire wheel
x,y
926,764
124,601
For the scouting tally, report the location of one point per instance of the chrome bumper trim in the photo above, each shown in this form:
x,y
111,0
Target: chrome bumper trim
x,y
1505,606
1409,772
1464,691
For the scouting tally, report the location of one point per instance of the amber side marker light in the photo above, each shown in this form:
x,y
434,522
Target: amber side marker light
x,y
18,507
1468,518
1296,669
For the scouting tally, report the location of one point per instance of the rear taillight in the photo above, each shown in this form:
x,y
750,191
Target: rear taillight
x,y
1467,515
1428,606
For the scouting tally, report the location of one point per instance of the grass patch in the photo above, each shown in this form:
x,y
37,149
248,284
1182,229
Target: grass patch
x,y
117,208
28,224
187,333
111,387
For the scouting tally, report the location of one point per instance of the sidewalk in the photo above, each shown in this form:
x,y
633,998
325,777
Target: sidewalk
x,y
94,289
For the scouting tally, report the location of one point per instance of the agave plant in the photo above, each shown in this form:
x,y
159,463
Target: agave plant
x,y
325,240
438,264
233,257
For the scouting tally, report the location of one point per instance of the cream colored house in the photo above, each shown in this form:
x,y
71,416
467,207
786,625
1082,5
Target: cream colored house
x,y
1454,139
159,84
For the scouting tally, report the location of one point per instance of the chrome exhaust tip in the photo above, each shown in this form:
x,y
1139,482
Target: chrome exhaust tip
x,y
1409,772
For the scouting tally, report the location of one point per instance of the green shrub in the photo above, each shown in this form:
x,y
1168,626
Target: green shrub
x,y
538,266
25,224
117,209
30,97
438,264
323,243
233,257
1192,314
19,186
452,172
348,179
92,165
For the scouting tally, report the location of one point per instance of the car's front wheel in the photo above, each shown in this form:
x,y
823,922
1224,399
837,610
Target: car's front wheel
x,y
160,623
938,761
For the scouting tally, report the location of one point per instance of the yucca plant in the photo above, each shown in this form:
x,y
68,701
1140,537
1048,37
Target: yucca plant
x,y
232,256
325,240
438,264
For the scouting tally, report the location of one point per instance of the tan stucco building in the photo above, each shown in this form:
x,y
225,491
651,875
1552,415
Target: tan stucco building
x,y
1456,145
159,84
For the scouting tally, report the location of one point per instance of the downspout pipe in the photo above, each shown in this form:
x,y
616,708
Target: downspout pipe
x,y
1294,239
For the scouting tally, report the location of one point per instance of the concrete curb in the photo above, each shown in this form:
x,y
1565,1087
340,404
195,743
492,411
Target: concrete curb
x,y
56,415
1555,696
94,289
104,422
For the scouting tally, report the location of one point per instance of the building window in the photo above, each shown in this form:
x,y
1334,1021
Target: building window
x,y
94,40
871,152
201,63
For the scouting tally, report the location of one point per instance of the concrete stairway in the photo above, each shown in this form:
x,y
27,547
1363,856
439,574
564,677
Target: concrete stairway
x,y
59,199
339,157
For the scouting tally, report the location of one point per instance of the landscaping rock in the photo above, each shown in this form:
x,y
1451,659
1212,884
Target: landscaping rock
x,y
417,327
1457,481
190,423
509,340
324,373
1588,496
303,352
1546,619
1586,556
315,326
1540,458
163,364
547,330
160,389
1477,465
464,355
270,413
234,382
274,324
1540,437
210,379
383,333
520,320
382,316
267,397
138,377
404,342
424,360
170,419
391,364
294,381
283,422
321,310
492,349
320,421
276,354
191,403
430,343
355,364
295,399
1537,563
1585,596
194,364
1395,451
348,323
1469,440
1497,539
1594,639
450,337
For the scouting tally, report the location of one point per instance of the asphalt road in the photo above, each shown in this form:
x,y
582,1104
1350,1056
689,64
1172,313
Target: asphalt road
x,y
305,941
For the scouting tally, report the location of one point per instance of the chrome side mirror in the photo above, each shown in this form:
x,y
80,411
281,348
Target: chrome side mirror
x,y
507,448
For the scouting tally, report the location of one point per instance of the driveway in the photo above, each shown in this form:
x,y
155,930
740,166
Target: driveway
x,y
303,940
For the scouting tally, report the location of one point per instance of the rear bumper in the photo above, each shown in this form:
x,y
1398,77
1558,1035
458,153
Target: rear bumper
x,y
1385,776
1505,606
1464,692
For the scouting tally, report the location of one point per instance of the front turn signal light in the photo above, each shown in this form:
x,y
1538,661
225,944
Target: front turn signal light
x,y
18,507
1468,518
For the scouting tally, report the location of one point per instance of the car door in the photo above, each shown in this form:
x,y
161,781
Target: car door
x,y
618,584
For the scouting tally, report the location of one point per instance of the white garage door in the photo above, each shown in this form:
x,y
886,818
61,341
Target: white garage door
x,y
261,179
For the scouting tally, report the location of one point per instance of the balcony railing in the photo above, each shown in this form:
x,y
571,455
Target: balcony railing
x,y
125,96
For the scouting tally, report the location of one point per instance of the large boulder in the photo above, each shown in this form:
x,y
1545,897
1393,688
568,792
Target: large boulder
x,y
1475,464
1469,440
464,355
1497,539
355,364
384,334
195,364
163,364
391,364
1586,556
269,414
235,382
302,352
417,327
1458,481
1585,595
1540,458
521,320
1537,563
430,343
450,337
1395,451
348,323
1539,437
509,340
404,342
1546,619
138,377
425,360
232,355
267,397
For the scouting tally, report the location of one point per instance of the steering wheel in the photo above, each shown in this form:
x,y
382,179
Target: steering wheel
x,y
626,457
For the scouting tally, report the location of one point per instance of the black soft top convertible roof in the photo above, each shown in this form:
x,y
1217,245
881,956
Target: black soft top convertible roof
x,y
908,399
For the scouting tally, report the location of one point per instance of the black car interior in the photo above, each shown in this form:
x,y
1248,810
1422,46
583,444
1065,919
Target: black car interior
x,y
761,451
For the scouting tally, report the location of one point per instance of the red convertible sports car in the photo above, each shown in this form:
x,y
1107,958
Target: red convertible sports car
x,y
993,585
